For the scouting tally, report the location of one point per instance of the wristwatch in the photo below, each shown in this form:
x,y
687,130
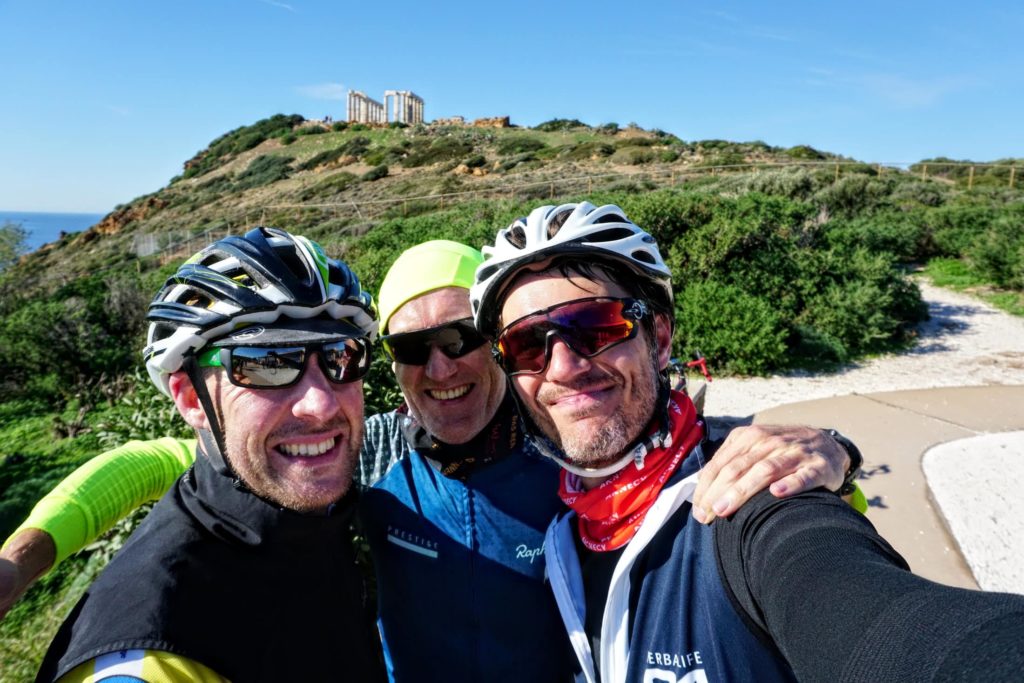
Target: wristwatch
x,y
856,460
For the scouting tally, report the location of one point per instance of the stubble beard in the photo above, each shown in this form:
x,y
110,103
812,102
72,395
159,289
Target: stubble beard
x,y
585,446
260,478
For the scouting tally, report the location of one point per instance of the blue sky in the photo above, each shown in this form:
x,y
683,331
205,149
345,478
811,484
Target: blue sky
x,y
104,100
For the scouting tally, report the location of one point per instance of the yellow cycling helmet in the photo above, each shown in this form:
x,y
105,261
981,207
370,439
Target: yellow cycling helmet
x,y
424,268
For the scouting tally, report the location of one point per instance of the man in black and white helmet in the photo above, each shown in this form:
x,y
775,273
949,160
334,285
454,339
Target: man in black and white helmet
x,y
579,302
245,570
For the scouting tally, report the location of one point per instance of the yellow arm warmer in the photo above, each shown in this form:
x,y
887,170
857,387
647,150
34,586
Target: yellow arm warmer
x,y
104,490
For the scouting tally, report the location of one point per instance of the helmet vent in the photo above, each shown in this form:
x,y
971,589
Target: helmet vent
x,y
643,256
244,280
612,218
199,301
294,263
610,235
516,237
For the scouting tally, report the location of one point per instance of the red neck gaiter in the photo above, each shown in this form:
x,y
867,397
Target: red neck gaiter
x,y
611,513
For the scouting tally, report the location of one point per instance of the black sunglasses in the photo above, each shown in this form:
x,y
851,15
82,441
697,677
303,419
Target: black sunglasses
x,y
276,367
455,339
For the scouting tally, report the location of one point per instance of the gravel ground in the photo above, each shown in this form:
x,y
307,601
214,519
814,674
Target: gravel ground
x,y
966,343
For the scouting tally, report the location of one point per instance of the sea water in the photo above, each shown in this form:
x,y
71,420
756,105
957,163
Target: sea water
x,y
43,228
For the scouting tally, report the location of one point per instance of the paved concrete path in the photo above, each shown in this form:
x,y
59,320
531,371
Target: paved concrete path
x,y
943,473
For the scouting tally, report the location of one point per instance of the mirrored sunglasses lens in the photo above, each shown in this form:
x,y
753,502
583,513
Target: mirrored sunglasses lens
x,y
345,361
458,340
588,328
266,367
524,349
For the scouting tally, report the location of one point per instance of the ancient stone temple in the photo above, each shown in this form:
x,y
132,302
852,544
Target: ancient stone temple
x,y
364,109
406,106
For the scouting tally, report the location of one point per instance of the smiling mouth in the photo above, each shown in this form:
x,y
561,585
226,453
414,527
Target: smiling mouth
x,y
449,394
307,450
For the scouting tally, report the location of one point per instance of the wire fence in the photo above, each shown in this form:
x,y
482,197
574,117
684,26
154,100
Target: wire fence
x,y
170,245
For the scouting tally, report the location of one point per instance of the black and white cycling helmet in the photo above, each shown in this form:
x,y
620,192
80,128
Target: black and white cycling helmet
x,y
592,233
257,279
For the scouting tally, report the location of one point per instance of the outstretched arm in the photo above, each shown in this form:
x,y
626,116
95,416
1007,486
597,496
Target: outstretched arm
x,y
783,458
840,604
26,556
88,502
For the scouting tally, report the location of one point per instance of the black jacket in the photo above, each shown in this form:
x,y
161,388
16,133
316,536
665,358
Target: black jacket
x,y
227,579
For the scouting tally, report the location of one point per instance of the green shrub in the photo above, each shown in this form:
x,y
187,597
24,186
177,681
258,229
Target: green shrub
x,y
142,413
264,170
519,144
288,138
558,125
476,161
329,186
358,127
637,142
424,152
900,234
339,126
667,156
792,183
917,194
633,155
804,152
730,158
240,140
852,194
311,130
591,149
998,254
398,125
375,173
737,332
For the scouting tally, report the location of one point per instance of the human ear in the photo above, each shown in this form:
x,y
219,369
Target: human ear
x,y
186,400
663,338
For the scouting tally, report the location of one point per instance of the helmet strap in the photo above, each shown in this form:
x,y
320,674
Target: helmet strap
x,y
212,439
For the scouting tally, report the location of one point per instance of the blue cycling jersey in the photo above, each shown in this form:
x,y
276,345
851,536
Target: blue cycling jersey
x,y
460,562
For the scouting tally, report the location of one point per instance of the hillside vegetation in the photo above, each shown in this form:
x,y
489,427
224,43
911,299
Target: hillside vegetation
x,y
782,258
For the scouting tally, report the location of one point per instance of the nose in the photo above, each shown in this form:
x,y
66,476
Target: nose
x,y
317,397
440,366
564,363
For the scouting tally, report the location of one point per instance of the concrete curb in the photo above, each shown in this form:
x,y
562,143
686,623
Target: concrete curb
x,y
894,431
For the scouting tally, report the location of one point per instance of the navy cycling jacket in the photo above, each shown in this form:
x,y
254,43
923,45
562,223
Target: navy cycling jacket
x,y
460,563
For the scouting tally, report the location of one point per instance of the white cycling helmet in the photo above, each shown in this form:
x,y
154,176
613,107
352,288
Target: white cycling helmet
x,y
593,233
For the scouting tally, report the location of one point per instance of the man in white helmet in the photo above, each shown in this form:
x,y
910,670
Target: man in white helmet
x,y
580,304
454,507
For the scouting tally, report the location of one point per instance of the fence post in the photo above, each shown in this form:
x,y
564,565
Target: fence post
x,y
673,181
552,189
837,174
879,170
1012,171
590,185
924,171
970,179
